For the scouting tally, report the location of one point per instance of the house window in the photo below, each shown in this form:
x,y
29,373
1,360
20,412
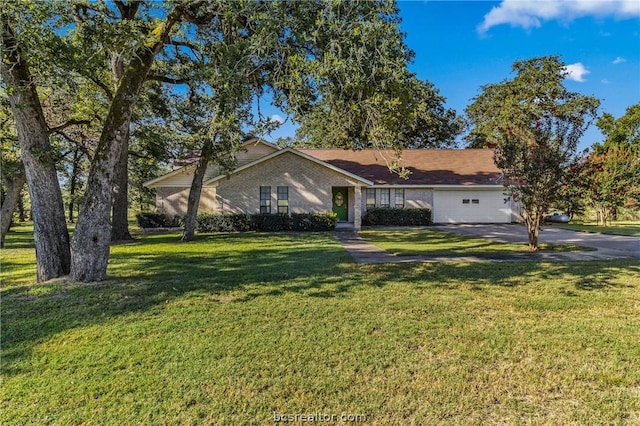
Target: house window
x,y
265,199
370,195
474,201
399,198
465,201
283,199
385,197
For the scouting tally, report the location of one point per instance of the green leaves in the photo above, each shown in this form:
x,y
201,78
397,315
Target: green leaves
x,y
610,176
534,124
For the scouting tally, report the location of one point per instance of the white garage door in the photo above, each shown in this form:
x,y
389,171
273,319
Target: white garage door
x,y
470,207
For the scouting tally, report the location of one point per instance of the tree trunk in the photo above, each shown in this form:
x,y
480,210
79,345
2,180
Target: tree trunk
x,y
533,223
73,183
603,216
10,201
120,213
92,234
49,226
534,231
194,196
22,214
120,219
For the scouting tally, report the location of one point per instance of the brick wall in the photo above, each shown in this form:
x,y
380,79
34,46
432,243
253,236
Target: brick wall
x,y
309,186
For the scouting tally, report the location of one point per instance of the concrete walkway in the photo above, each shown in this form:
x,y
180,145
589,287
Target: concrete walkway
x,y
365,253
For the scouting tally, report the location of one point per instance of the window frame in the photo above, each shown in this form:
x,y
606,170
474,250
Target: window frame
x,y
385,193
283,199
367,193
265,199
401,192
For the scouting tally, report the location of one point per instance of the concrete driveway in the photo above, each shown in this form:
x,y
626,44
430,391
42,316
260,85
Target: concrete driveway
x,y
607,246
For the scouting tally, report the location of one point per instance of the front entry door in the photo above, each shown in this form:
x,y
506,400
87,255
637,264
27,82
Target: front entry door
x,y
340,203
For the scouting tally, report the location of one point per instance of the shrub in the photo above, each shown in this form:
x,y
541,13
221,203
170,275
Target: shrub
x,y
397,217
156,220
207,222
313,222
271,222
310,222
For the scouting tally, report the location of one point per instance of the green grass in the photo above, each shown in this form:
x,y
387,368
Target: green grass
x,y
232,328
630,228
431,242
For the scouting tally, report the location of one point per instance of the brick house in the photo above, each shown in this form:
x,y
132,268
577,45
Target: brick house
x,y
459,186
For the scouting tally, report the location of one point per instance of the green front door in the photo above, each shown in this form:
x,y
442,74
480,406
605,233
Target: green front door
x,y
341,203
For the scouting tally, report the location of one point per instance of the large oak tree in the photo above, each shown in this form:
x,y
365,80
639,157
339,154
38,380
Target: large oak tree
x,y
50,230
297,53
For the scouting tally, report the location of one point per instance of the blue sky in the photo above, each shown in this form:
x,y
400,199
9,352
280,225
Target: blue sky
x,y
462,45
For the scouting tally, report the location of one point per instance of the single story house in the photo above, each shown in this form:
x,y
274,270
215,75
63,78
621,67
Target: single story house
x,y
458,185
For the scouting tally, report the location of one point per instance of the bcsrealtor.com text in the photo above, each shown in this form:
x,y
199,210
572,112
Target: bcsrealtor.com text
x,y
319,418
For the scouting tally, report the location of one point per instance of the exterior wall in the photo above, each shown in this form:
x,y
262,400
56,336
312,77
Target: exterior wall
x,y
309,186
185,177
172,201
418,198
253,152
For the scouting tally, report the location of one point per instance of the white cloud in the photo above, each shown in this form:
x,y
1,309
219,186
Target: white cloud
x,y
276,119
618,60
576,72
605,81
532,13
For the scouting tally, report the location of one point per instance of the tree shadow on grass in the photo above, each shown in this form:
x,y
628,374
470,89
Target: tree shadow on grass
x,y
237,268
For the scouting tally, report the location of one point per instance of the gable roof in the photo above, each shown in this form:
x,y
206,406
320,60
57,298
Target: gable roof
x,y
427,166
194,155
188,164
300,154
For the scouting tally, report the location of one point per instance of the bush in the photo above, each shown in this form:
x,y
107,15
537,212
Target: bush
x,y
207,222
397,217
313,222
310,222
156,220
271,222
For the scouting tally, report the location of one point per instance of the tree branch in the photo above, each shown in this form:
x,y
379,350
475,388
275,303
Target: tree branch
x,y
58,129
165,79
191,46
104,87
79,145
127,11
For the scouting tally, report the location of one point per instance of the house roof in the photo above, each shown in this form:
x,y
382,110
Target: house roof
x,y
300,154
427,166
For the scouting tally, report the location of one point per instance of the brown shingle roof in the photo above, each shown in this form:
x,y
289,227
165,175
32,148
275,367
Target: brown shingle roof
x,y
427,166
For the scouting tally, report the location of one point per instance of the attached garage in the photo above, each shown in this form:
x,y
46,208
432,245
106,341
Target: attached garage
x,y
470,206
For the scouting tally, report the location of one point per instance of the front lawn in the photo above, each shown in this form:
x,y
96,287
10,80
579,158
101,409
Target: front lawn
x,y
615,228
233,328
432,242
